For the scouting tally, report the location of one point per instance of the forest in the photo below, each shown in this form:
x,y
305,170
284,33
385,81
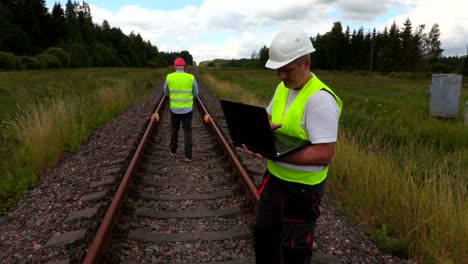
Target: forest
x,y
31,37
395,49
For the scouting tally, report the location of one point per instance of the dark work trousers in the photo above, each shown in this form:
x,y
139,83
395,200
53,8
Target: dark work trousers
x,y
286,219
186,120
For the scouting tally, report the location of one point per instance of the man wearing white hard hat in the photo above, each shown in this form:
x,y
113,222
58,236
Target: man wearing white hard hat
x,y
293,186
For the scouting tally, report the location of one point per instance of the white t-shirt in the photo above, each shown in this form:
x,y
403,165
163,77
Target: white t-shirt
x,y
320,121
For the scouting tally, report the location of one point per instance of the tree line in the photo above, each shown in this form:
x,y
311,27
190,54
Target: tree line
x,y
393,50
31,37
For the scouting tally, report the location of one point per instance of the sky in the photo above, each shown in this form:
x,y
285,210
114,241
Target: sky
x,y
234,29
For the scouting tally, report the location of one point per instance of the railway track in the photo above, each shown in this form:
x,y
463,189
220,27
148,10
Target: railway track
x,y
60,221
167,210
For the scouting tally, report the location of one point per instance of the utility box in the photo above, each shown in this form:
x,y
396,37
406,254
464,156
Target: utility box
x,y
466,113
445,95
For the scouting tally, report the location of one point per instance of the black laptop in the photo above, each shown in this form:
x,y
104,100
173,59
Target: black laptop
x,y
249,125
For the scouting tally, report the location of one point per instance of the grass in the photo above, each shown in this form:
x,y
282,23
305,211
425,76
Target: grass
x,y
250,86
58,114
397,169
424,208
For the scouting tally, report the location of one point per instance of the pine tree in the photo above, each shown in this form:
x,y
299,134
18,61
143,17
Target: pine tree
x,y
73,32
57,28
263,56
335,47
418,47
12,37
394,46
405,56
434,44
318,57
382,51
464,70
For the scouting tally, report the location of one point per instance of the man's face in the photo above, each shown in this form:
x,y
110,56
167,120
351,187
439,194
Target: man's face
x,y
292,75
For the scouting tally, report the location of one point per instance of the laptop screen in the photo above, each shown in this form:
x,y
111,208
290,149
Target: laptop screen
x,y
249,125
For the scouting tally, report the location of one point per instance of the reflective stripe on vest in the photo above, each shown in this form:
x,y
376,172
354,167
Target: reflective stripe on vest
x,y
180,85
291,125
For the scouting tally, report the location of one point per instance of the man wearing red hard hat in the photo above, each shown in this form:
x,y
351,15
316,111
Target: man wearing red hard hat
x,y
181,88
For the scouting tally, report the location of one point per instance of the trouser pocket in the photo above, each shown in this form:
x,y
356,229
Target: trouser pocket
x,y
297,235
300,203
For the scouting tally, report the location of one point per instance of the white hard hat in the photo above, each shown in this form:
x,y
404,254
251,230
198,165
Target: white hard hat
x,y
287,46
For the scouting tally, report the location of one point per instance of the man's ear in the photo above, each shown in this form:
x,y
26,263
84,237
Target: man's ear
x,y
307,62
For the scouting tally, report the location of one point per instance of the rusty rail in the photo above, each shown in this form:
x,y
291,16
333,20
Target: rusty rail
x,y
252,190
103,237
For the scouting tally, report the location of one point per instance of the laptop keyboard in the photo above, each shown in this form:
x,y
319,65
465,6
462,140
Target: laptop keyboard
x,y
282,145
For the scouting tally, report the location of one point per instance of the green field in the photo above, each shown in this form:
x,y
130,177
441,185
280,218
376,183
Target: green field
x,y
45,115
399,172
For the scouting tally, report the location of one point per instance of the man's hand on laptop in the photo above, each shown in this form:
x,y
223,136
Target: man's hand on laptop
x,y
247,151
275,126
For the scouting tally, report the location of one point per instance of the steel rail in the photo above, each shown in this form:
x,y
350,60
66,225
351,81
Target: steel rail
x,y
103,237
252,190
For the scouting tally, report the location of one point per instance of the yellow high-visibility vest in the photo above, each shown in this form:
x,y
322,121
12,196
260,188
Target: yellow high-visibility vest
x,y
180,85
291,125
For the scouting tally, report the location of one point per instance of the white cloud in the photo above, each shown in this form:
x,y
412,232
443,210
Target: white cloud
x,y
361,10
365,10
243,20
247,25
452,17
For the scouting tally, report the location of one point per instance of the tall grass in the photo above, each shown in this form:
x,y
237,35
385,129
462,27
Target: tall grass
x,y
253,85
231,91
426,210
41,131
44,129
401,173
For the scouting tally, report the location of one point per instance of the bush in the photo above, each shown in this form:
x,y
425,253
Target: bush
x,y
79,56
30,63
47,61
157,62
8,61
464,70
104,55
60,54
440,68
408,75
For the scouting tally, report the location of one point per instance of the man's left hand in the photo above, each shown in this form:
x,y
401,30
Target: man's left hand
x,y
247,151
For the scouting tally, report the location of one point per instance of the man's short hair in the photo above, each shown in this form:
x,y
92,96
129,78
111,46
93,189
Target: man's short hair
x,y
301,60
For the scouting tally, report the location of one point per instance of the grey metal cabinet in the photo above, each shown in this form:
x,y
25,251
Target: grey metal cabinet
x,y
445,95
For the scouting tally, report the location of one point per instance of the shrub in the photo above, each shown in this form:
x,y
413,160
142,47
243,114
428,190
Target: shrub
x,y
157,62
60,54
79,56
30,63
464,70
47,61
8,61
440,68
104,55
408,75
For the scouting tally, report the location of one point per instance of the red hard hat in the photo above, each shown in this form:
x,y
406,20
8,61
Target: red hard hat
x,y
179,62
